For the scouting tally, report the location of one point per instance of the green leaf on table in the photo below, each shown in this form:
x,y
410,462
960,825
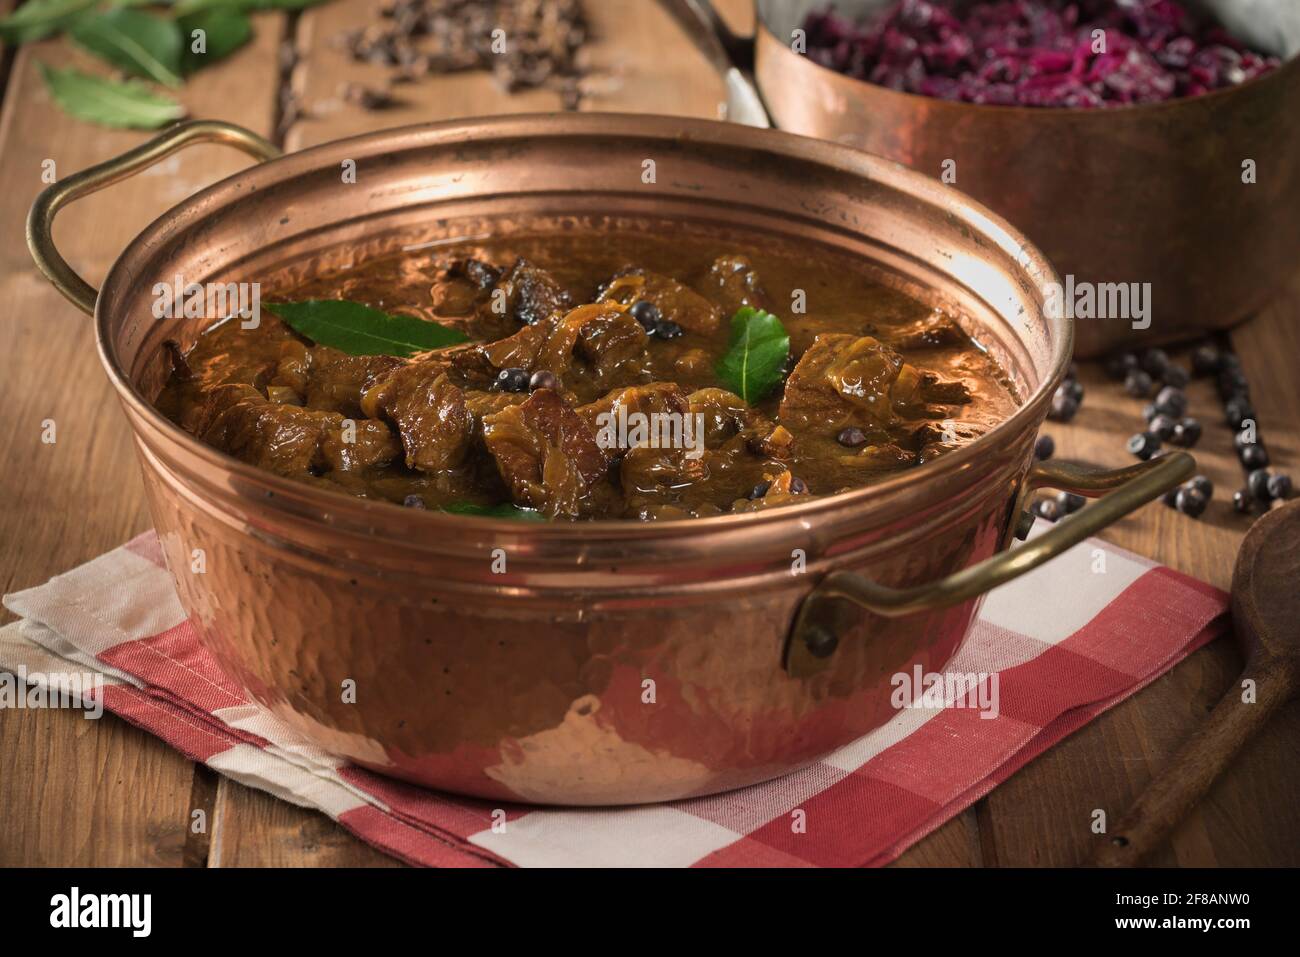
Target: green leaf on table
x,y
109,102
359,330
506,510
225,30
756,354
184,7
135,42
40,18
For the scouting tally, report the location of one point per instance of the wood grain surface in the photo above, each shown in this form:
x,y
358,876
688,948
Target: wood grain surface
x,y
75,791
79,792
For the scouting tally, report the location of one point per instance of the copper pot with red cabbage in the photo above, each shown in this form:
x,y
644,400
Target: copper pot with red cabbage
x,y
1149,146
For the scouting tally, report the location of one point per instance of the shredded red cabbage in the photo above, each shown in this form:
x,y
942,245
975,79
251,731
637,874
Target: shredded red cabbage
x,y
1036,52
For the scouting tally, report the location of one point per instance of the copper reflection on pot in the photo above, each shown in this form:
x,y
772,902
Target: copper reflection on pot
x,y
614,662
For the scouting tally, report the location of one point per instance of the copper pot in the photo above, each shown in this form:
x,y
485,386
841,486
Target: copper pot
x,y
611,662
1145,194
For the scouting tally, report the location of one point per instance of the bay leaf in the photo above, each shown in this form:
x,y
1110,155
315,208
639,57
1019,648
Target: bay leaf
x,y
39,18
135,42
359,330
225,30
109,102
756,354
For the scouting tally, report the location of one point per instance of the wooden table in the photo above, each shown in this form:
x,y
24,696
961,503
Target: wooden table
x,y
104,793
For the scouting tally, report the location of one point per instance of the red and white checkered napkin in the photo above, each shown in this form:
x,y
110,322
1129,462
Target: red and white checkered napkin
x,y
1066,641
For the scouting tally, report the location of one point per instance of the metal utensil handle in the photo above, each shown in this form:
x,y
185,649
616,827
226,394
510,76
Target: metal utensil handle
x,y
40,221
1134,486
732,56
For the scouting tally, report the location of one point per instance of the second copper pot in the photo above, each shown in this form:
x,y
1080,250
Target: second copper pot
x,y
1155,194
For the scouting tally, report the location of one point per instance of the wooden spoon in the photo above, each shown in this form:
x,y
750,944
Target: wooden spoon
x,y
1266,616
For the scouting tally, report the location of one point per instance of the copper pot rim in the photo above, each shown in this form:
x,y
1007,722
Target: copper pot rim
x,y
429,523
1283,74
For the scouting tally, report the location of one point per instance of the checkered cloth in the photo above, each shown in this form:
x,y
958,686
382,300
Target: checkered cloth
x,y
1066,642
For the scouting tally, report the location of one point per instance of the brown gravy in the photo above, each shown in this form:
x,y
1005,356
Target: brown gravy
x,y
876,382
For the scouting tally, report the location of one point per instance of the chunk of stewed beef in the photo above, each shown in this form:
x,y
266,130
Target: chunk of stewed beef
x,y
430,414
727,415
674,301
482,404
464,365
608,338
521,349
848,380
460,296
294,366
839,379
649,399
598,338
290,440
238,419
732,283
490,303
355,445
929,332
665,410
740,446
546,453
480,274
325,378
531,294
648,471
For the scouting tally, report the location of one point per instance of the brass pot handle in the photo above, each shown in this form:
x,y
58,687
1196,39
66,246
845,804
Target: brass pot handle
x,y
813,639
40,221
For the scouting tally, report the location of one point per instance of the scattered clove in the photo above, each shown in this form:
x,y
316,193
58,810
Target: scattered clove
x,y
366,97
525,44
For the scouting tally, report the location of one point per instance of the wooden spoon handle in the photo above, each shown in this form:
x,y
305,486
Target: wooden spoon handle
x,y
1196,766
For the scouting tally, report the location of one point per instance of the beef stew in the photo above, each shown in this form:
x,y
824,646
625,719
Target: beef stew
x,y
591,384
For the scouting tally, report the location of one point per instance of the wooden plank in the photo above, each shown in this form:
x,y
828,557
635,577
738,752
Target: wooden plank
x,y
1042,815
324,67
90,793
257,830
203,816
637,58
955,844
630,72
72,791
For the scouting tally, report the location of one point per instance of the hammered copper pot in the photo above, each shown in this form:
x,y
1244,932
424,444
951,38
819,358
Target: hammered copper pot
x,y
601,662
1145,194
